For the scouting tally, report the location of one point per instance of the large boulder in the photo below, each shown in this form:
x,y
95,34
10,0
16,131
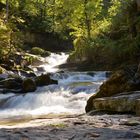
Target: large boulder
x,y
28,85
128,102
45,79
120,81
115,84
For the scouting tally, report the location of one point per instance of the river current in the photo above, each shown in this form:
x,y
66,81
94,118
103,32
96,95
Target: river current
x,y
68,97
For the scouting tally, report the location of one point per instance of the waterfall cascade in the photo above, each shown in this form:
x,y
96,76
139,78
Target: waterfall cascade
x,y
69,96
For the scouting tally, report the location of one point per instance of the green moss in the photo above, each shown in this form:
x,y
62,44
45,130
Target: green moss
x,y
37,51
59,125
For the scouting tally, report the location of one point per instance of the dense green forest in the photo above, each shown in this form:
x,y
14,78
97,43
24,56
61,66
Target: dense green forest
x,y
104,32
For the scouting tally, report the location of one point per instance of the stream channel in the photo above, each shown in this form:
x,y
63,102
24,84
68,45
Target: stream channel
x,y
69,97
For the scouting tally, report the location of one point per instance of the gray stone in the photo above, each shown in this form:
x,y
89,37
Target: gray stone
x,y
126,102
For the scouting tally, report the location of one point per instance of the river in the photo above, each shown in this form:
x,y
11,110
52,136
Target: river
x,y
68,97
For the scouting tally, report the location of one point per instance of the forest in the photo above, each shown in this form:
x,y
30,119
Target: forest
x,y
69,69
102,32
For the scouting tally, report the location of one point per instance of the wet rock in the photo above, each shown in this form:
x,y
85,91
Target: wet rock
x,y
11,83
44,79
28,85
125,103
24,73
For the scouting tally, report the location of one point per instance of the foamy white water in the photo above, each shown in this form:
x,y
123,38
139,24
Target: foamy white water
x,y
51,63
69,96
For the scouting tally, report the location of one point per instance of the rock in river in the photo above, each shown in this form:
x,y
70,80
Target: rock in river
x,y
11,83
120,81
117,83
45,79
128,102
28,85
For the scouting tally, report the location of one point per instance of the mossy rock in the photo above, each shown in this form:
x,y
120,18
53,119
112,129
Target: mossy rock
x,y
37,51
28,85
46,53
45,79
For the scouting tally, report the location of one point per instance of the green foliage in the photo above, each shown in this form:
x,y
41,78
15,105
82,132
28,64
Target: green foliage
x,y
5,38
114,34
99,28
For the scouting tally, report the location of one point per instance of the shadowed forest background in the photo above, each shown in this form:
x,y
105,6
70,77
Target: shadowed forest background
x,y
103,33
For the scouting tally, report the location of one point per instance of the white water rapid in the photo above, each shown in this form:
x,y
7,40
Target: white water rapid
x,y
51,63
68,97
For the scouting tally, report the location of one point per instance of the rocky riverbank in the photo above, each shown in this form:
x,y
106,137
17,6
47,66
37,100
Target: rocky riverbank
x,y
97,127
17,73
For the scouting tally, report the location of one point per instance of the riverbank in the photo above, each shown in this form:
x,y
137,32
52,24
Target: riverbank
x,y
97,127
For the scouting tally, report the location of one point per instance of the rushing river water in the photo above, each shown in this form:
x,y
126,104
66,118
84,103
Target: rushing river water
x,y
68,97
